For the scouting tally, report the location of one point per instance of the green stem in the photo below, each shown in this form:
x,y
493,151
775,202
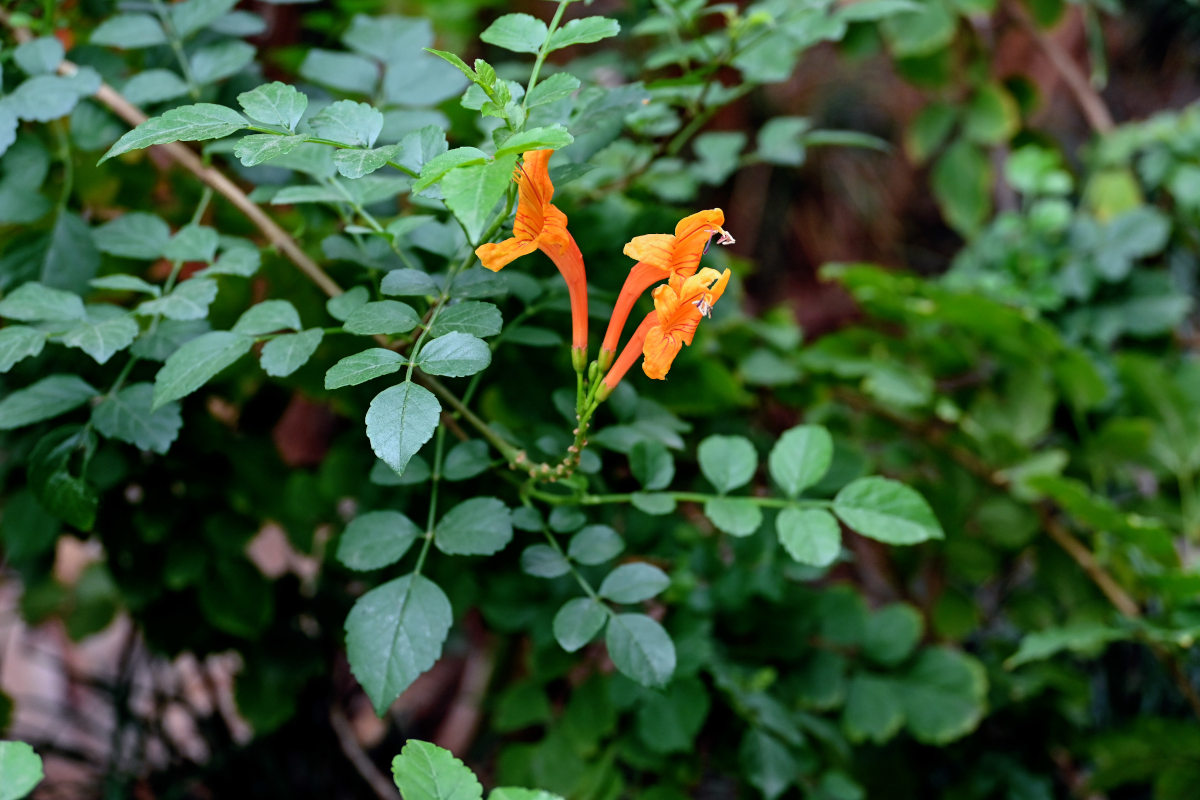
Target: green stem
x,y
332,143
582,581
177,47
545,49
681,497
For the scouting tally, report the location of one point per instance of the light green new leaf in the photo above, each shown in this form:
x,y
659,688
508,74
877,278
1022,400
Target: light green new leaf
x,y
20,770
376,539
583,31
102,338
472,193
187,301
800,458
267,317
349,122
184,124
49,397
127,416
364,366
285,354
454,355
887,511
399,420
436,168
274,104
641,649
727,461
129,32
394,633
382,317
520,33
18,342
196,363
33,302
578,622
552,137
476,527
810,536
424,771
633,583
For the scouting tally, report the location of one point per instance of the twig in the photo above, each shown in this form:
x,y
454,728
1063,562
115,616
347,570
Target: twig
x,y
383,788
1086,560
1089,100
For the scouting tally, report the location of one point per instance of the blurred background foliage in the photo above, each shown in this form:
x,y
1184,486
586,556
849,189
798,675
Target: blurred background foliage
x,y
967,247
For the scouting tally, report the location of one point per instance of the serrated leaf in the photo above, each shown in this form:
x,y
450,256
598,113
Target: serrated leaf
x,y
652,464
595,544
382,317
258,148
127,416
129,32
810,536
196,363
48,398
394,633
195,15
737,516
641,649
349,122
102,338
479,527
274,104
153,86
633,583
376,540
184,124
472,193
187,301
520,33
543,561
240,261
424,771
873,711
944,695
578,622
466,460
285,354
133,235
220,60
267,317
125,283
800,458
410,283
18,342
558,86
39,56
344,304
362,367
399,421
454,355
192,243
347,72
887,511
468,316
583,31
33,302
727,461
354,163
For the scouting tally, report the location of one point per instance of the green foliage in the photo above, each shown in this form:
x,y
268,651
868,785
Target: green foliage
x,y
20,770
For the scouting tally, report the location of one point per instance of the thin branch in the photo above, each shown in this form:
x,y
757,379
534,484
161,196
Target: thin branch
x,y
1086,96
383,788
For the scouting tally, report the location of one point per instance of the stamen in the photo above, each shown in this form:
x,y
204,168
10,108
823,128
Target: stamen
x,y
704,306
725,237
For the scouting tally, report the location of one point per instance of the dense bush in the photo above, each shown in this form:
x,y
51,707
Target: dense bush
x,y
395,310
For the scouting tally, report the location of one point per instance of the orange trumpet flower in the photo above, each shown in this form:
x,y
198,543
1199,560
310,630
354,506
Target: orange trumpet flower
x,y
660,256
539,225
678,307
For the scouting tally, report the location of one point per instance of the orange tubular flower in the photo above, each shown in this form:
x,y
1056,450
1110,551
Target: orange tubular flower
x,y
678,307
541,226
660,256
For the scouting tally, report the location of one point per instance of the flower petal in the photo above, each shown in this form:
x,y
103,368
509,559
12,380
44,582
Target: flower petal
x,y
496,255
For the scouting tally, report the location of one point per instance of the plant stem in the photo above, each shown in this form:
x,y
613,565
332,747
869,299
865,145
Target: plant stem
x,y
545,49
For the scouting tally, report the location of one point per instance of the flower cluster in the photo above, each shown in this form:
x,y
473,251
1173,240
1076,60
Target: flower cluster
x,y
688,294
